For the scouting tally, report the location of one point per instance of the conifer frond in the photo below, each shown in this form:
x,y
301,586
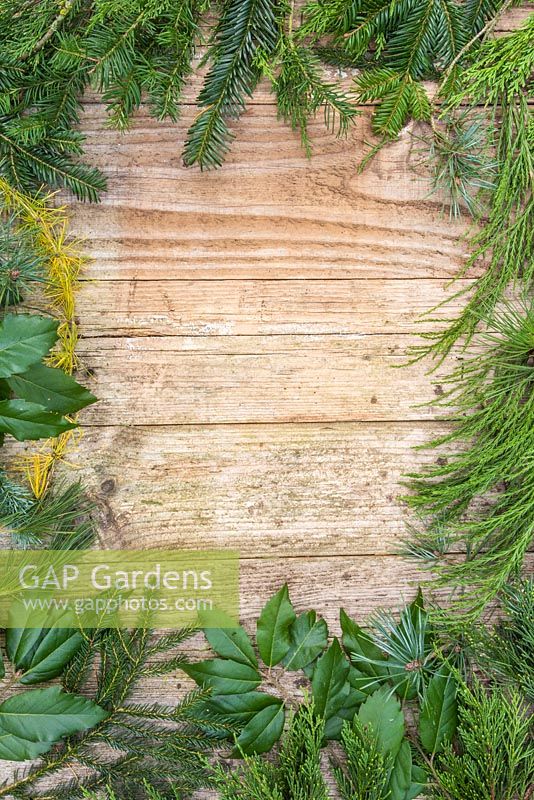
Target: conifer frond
x,y
494,758
480,11
60,521
246,32
22,266
461,170
399,98
508,651
500,77
488,458
301,91
139,750
32,157
364,775
295,775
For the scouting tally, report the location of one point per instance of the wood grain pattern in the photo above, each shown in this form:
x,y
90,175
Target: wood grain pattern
x,y
225,379
258,307
287,217
241,331
265,490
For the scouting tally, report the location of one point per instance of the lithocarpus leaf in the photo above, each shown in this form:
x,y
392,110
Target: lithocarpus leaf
x,y
329,683
438,718
24,340
232,643
309,638
263,730
223,676
51,388
43,716
273,631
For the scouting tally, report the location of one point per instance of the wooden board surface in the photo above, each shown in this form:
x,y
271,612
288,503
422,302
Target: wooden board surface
x,y
265,490
241,329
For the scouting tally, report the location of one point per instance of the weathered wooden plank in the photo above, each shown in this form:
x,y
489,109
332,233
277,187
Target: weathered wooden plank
x,y
264,490
254,307
270,213
224,379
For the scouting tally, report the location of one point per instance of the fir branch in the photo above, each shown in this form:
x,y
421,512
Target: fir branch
x,y
45,161
399,97
246,31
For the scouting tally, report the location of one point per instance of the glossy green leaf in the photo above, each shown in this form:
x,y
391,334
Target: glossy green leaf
x,y
309,638
51,388
223,676
24,340
240,708
24,420
273,631
359,647
401,774
361,684
438,718
55,649
351,703
21,644
382,712
232,643
46,715
262,731
329,683
13,748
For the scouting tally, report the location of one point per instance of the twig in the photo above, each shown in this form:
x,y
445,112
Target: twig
x,y
488,27
67,5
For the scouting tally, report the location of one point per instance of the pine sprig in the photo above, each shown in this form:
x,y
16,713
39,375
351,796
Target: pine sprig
x,y
462,171
61,520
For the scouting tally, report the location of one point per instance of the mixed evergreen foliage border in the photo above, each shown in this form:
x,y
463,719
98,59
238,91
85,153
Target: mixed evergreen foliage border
x,y
400,696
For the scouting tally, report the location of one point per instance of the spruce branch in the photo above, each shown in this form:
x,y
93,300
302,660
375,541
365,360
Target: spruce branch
x,y
49,33
301,91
